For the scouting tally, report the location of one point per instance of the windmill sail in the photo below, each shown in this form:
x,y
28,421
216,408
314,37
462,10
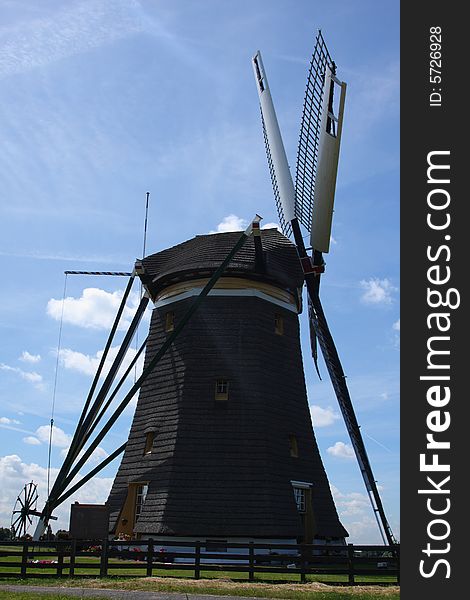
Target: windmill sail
x,y
309,138
317,164
277,159
327,167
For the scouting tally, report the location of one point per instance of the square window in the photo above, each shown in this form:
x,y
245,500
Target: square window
x,y
170,321
149,438
293,446
221,389
278,324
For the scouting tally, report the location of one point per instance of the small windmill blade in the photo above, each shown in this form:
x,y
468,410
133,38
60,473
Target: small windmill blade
x,y
283,186
318,149
25,506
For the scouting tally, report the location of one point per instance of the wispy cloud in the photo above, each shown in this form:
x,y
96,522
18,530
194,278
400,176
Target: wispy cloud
x,y
396,332
30,376
8,421
30,358
71,258
76,28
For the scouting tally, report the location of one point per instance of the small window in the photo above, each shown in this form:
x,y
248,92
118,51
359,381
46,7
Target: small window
x,y
170,321
299,495
141,495
221,389
293,446
278,324
149,437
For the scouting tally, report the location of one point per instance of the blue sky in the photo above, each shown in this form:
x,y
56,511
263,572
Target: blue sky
x,y
104,100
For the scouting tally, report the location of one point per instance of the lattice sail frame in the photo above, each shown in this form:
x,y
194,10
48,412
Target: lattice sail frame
x,y
285,225
307,151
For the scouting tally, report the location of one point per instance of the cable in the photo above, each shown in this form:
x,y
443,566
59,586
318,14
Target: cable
x,y
143,256
55,387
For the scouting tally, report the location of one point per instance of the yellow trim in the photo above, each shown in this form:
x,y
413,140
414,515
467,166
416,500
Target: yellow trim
x,y
226,283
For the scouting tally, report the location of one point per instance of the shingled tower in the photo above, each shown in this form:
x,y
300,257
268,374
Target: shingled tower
x,y
222,444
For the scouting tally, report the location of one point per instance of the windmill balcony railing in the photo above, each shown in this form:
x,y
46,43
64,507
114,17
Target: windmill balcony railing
x,y
348,564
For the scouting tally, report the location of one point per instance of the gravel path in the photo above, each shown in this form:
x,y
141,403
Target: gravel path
x,y
115,594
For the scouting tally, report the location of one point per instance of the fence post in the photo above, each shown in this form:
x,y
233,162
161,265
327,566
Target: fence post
x,y
251,572
197,560
303,564
396,554
60,559
150,557
73,550
350,564
104,558
24,559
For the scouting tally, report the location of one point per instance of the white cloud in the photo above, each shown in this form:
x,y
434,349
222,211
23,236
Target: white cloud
x,y
30,376
96,456
396,325
351,503
355,512
31,358
14,474
95,309
7,421
231,223
341,450
31,440
84,363
377,291
322,417
60,439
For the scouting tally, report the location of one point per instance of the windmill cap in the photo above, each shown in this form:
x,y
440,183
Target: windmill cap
x,y
203,254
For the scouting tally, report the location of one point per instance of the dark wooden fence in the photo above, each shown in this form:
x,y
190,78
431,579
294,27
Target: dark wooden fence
x,y
104,558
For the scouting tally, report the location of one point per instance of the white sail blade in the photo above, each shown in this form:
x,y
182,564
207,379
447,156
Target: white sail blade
x,y
274,139
327,167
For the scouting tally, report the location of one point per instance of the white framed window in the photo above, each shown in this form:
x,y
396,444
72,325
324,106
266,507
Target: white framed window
x,y
140,496
300,494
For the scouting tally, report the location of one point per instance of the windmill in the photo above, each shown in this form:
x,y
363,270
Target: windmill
x,y
309,202
221,446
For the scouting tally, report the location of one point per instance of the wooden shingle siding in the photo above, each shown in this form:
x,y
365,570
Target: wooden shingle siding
x,y
223,469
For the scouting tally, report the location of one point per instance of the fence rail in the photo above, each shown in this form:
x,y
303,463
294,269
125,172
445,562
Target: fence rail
x,y
106,558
